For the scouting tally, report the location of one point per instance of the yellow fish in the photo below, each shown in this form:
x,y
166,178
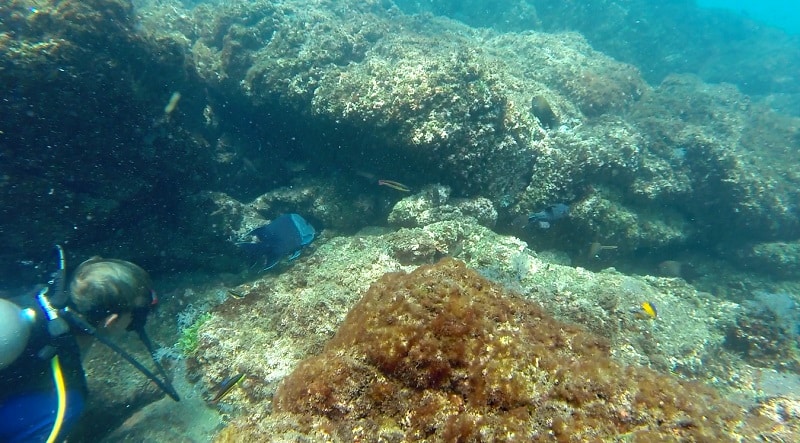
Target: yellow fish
x,y
646,310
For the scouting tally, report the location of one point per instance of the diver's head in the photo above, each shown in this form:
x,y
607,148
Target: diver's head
x,y
110,292
15,329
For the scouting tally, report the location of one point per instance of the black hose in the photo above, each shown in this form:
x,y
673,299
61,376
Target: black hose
x,y
165,385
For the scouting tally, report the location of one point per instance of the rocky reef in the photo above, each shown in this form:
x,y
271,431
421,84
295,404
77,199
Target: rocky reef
x,y
277,320
312,102
308,300
642,173
444,354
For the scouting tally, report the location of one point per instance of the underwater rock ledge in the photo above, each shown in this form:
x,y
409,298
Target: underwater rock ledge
x,y
443,354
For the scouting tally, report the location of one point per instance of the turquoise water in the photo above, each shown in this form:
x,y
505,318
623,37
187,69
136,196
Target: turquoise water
x,y
784,14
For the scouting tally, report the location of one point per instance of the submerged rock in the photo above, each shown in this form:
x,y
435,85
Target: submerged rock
x,y
443,354
781,259
433,204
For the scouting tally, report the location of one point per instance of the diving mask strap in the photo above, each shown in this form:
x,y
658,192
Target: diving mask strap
x,y
164,385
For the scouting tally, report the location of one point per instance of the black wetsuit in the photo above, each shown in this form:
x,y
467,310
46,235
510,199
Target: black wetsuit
x,y
28,400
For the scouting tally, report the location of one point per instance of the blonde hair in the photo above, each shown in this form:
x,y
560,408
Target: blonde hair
x,y
102,286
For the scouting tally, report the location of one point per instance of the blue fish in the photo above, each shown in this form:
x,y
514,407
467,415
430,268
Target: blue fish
x,y
285,236
549,214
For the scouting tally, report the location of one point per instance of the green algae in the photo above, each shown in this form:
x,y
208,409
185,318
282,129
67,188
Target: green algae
x,y
189,340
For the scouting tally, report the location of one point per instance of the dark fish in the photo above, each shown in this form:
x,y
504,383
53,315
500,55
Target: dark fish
x,y
670,268
549,214
541,109
674,268
227,386
596,248
285,236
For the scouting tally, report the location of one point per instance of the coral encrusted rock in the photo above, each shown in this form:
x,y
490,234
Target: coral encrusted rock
x,y
442,354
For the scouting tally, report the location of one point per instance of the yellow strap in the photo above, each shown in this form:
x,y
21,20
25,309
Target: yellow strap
x,y
61,391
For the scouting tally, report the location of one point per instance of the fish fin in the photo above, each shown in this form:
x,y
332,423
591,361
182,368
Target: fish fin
x,y
295,255
251,249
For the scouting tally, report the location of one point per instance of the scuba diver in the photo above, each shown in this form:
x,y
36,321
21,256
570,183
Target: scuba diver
x,y
42,383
